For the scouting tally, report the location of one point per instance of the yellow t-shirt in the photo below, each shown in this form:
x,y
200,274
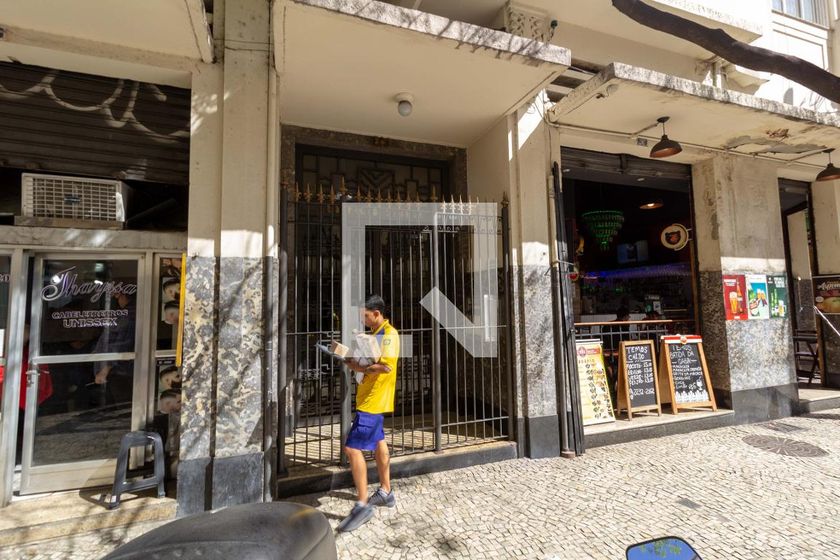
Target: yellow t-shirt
x,y
375,394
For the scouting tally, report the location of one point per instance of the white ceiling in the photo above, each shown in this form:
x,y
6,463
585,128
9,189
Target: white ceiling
x,y
162,26
334,74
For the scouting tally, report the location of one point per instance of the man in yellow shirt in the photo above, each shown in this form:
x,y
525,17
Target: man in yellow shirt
x,y
374,398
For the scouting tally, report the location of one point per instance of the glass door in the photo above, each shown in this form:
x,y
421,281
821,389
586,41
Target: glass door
x,y
86,378
12,311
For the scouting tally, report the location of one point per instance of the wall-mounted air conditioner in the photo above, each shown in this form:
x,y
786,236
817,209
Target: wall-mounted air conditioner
x,y
61,201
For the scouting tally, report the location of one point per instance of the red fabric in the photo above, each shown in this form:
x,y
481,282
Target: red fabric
x,y
45,385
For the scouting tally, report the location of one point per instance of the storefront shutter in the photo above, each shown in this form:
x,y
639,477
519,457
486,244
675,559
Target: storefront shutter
x,y
66,122
623,169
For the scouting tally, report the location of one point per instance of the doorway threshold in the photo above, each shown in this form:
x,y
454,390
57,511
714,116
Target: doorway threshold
x,y
648,426
816,399
41,517
310,479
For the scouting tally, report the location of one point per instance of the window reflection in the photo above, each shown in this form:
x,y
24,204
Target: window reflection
x,y
81,419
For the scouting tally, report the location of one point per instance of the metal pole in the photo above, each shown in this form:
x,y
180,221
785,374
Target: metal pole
x,y
283,330
513,424
436,400
556,302
567,318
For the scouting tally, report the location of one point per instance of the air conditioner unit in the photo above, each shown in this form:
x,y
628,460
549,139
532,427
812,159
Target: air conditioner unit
x,y
60,201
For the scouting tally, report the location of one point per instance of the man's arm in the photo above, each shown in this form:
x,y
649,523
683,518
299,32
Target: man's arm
x,y
372,369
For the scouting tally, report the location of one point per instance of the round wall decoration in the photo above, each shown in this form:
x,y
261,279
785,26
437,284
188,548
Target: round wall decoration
x,y
675,237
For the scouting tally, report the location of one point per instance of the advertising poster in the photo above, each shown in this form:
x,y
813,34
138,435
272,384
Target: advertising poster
x,y
735,297
169,284
167,370
827,294
594,391
168,385
757,303
777,290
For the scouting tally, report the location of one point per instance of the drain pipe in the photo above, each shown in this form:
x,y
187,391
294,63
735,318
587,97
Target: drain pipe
x,y
556,319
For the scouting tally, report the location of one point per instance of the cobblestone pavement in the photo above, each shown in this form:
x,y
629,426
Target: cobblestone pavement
x,y
763,497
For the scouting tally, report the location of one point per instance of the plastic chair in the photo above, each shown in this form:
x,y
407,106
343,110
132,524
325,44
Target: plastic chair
x,y
130,440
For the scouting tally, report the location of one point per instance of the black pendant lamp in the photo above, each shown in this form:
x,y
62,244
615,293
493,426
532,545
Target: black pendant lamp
x,y
665,147
830,173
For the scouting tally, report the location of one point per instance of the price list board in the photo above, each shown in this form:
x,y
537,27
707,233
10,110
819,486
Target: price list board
x,y
638,386
683,366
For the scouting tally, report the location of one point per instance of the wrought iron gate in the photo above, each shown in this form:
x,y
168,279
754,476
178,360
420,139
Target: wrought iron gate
x,y
445,397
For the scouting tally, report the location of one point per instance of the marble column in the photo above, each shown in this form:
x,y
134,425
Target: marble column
x,y
222,446
826,205
738,230
533,331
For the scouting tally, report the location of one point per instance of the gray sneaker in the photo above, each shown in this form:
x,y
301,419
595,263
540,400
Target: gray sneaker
x,y
382,498
359,515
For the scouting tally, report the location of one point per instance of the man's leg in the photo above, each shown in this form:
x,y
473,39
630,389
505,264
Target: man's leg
x,y
359,470
383,465
361,512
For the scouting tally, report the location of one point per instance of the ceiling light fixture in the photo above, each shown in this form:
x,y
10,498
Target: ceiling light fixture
x,y
405,103
652,205
665,147
830,173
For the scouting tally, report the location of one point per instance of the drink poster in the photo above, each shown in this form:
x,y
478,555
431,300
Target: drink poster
x,y
827,294
757,304
778,293
594,391
735,297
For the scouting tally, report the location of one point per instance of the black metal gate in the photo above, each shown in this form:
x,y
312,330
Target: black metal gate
x,y
445,397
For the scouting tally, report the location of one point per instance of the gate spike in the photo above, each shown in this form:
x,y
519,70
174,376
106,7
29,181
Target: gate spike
x,y
388,198
342,187
399,196
320,194
296,192
434,194
307,194
379,195
332,194
358,193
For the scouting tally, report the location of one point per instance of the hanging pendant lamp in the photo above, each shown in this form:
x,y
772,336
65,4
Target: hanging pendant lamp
x,y
830,173
665,147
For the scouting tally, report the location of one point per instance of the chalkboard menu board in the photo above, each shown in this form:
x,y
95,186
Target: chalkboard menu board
x,y
686,372
638,387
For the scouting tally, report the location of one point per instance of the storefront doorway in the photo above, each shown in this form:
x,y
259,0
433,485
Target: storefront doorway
x,y
631,283
91,336
82,358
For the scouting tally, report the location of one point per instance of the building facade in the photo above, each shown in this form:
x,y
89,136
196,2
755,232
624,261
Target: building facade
x,y
238,132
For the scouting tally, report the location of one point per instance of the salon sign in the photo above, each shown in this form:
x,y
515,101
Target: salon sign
x,y
65,284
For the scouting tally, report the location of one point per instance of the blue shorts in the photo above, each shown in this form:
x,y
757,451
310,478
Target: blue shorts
x,y
366,431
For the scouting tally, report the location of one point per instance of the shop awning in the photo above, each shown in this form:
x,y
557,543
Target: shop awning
x,y
622,102
341,64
